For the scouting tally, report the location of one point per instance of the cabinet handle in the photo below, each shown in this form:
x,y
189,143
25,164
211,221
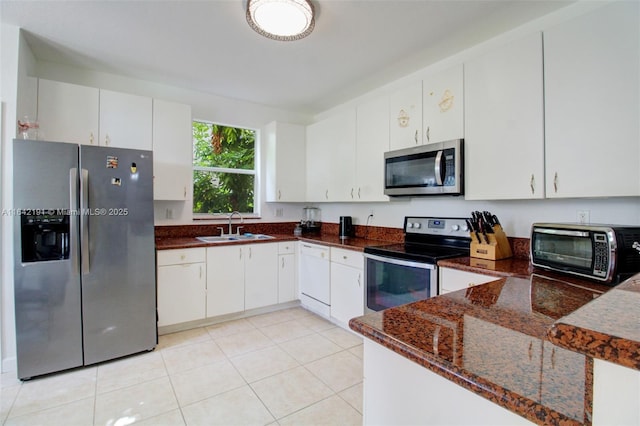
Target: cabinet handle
x,y
359,193
326,194
250,253
555,183
530,350
415,137
428,133
532,184
91,138
183,257
352,193
200,271
359,282
107,140
282,262
279,194
240,250
185,192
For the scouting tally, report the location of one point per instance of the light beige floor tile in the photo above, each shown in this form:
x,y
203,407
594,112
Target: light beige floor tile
x,y
172,418
263,363
241,343
285,331
135,403
316,323
183,338
130,371
343,338
51,391
229,328
237,407
191,356
290,391
7,396
310,348
339,371
331,411
272,318
203,382
9,379
353,396
358,351
78,413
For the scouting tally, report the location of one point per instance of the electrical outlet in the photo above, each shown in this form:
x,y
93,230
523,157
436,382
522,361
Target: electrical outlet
x,y
582,216
279,212
169,214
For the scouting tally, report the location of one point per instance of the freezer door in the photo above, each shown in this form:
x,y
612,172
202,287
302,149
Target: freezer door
x,y
47,293
118,252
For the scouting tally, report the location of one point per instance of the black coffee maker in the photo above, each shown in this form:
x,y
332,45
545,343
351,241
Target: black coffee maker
x,y
346,227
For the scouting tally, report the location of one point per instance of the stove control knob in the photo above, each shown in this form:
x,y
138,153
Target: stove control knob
x,y
465,228
409,225
416,225
456,227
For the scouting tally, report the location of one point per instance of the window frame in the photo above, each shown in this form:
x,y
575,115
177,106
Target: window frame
x,y
255,172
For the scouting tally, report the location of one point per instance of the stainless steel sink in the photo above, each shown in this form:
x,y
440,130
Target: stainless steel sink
x,y
234,238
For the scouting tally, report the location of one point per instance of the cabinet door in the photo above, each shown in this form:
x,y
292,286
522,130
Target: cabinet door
x,y
181,293
285,161
443,104
454,279
330,159
504,141
172,150
405,117
125,120
225,280
286,278
347,292
592,98
372,141
261,279
68,112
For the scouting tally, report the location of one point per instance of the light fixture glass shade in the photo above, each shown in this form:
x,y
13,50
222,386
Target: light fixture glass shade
x,y
281,19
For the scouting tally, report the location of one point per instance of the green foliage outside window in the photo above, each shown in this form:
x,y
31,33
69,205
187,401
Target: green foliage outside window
x,y
223,169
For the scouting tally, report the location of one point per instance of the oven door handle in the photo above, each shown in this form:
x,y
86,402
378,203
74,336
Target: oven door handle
x,y
400,262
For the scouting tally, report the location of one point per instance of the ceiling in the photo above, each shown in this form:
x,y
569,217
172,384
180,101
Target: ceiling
x,y
207,45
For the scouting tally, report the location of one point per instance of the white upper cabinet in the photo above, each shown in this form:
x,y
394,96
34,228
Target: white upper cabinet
x,y
405,117
443,105
372,141
504,127
285,162
592,91
172,151
125,120
68,112
330,158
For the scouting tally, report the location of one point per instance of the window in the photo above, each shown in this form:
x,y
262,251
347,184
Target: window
x,y
224,173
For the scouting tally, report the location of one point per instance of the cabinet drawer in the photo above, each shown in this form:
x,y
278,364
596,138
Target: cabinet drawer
x,y
454,279
347,257
287,247
175,257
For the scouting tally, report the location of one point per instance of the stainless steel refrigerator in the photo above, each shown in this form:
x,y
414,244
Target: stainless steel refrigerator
x,y
84,276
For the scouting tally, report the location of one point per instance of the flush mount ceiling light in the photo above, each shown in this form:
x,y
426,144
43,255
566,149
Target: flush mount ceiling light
x,y
283,20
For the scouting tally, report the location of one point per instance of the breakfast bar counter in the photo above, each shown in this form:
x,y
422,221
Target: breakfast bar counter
x,y
526,345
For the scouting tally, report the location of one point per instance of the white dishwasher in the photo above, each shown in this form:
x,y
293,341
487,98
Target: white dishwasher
x,y
315,272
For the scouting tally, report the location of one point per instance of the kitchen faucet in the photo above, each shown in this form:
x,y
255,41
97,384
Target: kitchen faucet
x,y
241,221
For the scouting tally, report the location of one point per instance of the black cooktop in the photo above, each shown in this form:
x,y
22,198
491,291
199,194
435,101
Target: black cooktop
x,y
425,253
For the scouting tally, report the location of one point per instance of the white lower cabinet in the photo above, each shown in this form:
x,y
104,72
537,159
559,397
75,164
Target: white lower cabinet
x,y
241,277
455,279
347,285
225,280
181,285
287,291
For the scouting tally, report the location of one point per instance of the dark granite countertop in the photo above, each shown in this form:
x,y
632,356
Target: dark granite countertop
x,y
493,340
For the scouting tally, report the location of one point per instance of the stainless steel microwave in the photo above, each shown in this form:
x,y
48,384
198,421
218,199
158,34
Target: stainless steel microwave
x,y
431,169
605,253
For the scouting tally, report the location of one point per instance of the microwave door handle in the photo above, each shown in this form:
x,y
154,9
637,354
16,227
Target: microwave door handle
x,y
438,168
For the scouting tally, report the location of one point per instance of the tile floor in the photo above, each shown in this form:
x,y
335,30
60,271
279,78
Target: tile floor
x,y
288,367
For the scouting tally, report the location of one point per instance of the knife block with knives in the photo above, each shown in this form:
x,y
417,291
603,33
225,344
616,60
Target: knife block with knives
x,y
488,240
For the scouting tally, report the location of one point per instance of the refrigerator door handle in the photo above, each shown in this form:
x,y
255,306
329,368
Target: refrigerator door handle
x,y
84,220
73,218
